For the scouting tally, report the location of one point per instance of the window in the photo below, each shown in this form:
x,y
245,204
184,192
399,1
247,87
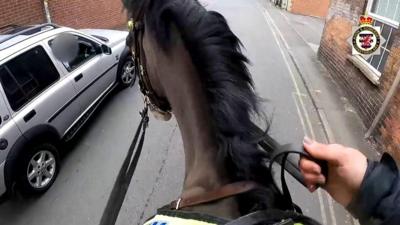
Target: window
x,y
378,61
86,51
386,14
389,9
26,76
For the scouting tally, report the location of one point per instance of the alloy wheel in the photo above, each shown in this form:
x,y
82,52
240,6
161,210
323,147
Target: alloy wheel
x,y
41,169
128,72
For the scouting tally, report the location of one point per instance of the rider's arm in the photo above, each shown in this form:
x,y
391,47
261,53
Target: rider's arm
x,y
367,189
379,195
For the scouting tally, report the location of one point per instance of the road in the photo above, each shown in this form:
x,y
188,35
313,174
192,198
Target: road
x,y
91,166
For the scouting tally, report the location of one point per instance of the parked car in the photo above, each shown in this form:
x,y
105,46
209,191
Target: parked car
x,y
45,100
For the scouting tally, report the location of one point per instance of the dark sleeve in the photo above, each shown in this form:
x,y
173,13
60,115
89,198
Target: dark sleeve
x,y
379,196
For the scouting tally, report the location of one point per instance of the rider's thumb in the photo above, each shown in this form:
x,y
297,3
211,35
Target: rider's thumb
x,y
317,150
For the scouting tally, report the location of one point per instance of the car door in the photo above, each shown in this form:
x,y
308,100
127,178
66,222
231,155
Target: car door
x,y
37,93
93,71
9,133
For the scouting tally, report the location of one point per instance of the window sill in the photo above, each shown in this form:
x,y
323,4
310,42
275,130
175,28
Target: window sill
x,y
371,73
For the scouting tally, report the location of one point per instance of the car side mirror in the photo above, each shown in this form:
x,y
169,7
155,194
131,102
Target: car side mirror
x,y
106,50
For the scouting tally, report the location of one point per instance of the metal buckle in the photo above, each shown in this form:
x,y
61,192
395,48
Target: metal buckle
x,y
131,25
141,69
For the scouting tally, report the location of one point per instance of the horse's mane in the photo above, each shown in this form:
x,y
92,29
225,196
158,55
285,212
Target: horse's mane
x,y
216,54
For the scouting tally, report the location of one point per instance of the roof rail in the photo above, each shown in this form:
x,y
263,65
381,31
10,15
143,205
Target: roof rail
x,y
12,26
32,31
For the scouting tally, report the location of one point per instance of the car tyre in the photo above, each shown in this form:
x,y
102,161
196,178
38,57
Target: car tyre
x,y
38,169
127,73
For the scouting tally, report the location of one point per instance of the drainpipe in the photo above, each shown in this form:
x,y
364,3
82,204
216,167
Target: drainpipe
x,y
47,11
384,106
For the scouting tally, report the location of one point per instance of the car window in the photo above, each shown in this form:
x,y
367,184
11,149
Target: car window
x,y
87,50
27,75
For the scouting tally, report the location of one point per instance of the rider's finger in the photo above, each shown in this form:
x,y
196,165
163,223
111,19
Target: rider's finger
x,y
312,188
314,179
309,166
320,151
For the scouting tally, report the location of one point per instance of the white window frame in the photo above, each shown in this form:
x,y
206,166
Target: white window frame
x,y
382,19
368,70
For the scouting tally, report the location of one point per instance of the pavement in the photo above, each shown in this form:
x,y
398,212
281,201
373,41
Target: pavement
x,y
301,99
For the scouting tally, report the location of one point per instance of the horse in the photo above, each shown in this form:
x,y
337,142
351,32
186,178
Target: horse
x,y
191,65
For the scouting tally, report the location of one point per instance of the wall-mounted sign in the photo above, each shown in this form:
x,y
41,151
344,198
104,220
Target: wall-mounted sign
x,y
366,39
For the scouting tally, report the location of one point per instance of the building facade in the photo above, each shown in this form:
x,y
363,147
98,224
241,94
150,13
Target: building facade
x,y
317,8
72,13
367,83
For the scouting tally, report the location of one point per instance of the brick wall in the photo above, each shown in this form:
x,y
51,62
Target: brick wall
x,y
389,129
317,8
72,13
366,97
21,12
88,13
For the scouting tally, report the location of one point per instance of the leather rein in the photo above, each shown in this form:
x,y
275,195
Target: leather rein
x,y
154,102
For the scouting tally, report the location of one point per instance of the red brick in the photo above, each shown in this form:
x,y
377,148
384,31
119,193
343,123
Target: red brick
x,y
310,7
73,13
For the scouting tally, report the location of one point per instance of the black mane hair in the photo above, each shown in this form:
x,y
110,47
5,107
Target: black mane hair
x,y
216,53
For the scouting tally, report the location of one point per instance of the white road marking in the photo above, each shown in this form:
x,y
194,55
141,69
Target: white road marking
x,y
285,59
319,193
313,46
274,29
295,96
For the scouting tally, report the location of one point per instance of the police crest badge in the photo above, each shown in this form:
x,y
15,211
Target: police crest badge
x,y
366,39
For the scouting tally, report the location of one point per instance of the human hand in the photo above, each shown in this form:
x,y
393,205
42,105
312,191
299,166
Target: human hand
x,y
346,170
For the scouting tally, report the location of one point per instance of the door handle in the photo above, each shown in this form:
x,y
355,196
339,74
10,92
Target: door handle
x,y
77,78
29,116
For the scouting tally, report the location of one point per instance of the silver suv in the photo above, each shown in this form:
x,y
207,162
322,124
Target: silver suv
x,y
45,100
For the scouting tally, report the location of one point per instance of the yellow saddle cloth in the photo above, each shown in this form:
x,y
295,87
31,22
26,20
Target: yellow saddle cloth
x,y
171,217
169,220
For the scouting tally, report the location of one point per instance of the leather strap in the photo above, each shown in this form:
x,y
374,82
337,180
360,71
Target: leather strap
x,y
144,82
225,191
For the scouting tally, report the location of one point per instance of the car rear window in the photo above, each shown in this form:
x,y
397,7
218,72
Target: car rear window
x,y
26,76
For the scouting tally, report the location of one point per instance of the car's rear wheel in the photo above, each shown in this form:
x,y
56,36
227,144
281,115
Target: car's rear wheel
x,y
38,169
127,74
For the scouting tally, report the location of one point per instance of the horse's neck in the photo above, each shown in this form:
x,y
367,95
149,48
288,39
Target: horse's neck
x,y
205,170
176,77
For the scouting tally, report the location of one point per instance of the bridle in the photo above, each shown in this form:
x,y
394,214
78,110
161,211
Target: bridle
x,y
151,99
